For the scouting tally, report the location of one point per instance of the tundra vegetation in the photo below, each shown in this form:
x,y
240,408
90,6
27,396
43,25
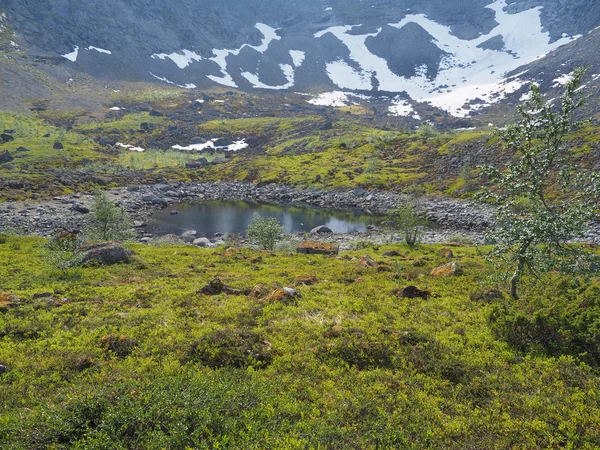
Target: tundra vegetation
x,y
387,346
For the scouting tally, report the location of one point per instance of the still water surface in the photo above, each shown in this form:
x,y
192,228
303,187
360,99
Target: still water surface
x,y
211,217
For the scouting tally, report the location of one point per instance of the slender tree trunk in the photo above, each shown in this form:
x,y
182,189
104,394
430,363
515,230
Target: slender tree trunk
x,y
514,281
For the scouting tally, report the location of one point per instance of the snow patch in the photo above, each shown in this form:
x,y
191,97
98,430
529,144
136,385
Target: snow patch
x,y
269,35
210,144
337,98
73,55
298,57
99,50
562,80
184,86
470,72
404,109
133,148
115,108
183,59
287,70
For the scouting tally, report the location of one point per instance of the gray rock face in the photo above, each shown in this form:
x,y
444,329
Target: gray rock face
x,y
127,33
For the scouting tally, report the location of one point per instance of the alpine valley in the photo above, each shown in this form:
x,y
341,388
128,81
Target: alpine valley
x,y
425,272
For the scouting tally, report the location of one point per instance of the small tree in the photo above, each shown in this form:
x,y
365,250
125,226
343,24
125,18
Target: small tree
x,y
544,198
264,232
109,221
405,219
61,252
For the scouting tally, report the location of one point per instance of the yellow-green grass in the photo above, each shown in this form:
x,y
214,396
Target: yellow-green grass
x,y
352,365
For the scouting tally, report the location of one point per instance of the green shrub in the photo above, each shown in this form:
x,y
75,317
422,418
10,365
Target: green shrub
x,y
231,348
264,232
565,324
109,221
406,220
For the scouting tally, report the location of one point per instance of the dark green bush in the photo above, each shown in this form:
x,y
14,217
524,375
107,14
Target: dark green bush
x,y
231,348
568,324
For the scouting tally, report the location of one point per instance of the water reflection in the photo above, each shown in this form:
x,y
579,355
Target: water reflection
x,y
210,217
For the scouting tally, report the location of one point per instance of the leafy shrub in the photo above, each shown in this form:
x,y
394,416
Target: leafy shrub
x,y
121,346
61,251
264,232
109,221
405,219
356,349
231,348
561,325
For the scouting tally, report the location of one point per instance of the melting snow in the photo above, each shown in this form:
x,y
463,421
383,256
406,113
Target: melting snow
x,y
269,35
133,148
182,60
562,80
337,98
184,86
115,108
233,147
100,50
298,57
403,108
288,71
525,41
73,55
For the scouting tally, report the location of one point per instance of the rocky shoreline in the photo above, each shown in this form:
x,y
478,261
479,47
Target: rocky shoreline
x,y
449,217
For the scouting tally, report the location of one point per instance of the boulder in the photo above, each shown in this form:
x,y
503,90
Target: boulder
x,y
447,253
139,224
160,201
4,138
3,369
6,157
359,192
202,242
447,270
7,300
392,253
81,208
321,229
148,198
22,149
317,248
105,253
413,292
259,291
58,146
216,286
197,164
189,236
285,295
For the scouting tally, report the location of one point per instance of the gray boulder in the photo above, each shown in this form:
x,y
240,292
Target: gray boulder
x,y
105,253
202,242
81,208
322,229
160,201
189,236
6,157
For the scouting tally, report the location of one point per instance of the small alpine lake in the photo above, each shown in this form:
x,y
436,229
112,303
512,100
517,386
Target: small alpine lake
x,y
233,217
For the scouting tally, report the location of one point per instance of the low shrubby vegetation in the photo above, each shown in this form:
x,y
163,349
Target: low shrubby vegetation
x,y
298,351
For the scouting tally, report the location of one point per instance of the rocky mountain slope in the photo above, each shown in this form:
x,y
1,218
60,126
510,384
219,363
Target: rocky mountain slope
x,y
453,56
